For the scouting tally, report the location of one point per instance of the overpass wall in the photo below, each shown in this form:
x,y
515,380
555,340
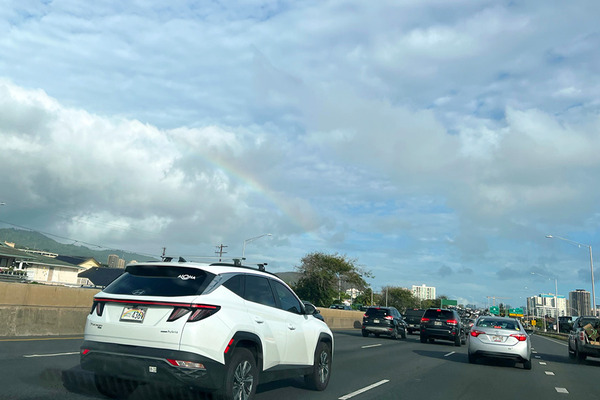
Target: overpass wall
x,y
40,310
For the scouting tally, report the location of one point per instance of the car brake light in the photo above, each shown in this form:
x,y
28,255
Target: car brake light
x,y
198,312
98,306
185,364
365,315
582,336
84,351
452,322
476,333
520,337
389,317
424,319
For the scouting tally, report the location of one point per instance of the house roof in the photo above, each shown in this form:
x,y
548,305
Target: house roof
x,y
101,276
31,258
77,260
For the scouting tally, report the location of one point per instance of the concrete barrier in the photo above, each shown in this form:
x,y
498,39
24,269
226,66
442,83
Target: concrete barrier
x,y
40,310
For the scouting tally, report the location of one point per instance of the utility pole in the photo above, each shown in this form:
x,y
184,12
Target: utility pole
x,y
220,251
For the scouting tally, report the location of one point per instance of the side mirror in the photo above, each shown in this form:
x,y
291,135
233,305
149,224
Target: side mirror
x,y
310,309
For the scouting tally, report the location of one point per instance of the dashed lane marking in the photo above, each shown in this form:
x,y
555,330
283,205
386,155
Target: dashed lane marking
x,y
561,390
371,345
542,363
534,352
359,391
549,373
51,355
449,354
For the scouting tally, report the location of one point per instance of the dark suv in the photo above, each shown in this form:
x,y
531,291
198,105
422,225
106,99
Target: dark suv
x,y
442,324
383,321
412,317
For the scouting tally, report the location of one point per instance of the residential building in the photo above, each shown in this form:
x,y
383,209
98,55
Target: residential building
x,y
423,292
113,261
580,301
544,304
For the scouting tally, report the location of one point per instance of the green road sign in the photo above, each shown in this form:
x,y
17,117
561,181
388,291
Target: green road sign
x,y
446,302
515,312
495,310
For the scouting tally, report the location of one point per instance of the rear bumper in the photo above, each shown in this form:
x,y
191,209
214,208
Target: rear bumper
x,y
519,352
144,364
444,334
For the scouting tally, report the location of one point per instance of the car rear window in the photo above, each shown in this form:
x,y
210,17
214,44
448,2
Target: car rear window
x,y
439,314
157,280
377,312
414,313
498,324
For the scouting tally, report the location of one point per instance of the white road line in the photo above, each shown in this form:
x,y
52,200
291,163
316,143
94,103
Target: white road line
x,y
449,354
51,355
534,352
549,373
371,345
359,391
563,343
542,363
561,390
538,356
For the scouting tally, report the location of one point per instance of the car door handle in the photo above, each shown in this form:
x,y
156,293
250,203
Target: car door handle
x,y
291,327
259,320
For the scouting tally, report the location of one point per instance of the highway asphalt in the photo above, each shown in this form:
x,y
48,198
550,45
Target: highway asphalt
x,y
363,368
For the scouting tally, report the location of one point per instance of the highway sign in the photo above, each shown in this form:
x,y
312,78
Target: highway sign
x,y
495,310
515,312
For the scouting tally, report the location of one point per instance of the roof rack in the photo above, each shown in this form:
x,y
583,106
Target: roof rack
x,y
236,262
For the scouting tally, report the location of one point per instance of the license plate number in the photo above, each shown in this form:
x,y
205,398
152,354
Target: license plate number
x,y
497,338
437,323
375,321
133,314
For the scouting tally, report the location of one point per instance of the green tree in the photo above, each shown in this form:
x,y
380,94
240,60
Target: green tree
x,y
324,276
400,298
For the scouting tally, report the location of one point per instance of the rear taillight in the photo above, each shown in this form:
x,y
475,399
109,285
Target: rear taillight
x,y
424,320
476,333
452,322
84,351
520,337
197,312
98,306
389,317
582,336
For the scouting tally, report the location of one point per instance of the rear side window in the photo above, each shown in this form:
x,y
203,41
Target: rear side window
x,y
158,280
439,314
377,312
258,290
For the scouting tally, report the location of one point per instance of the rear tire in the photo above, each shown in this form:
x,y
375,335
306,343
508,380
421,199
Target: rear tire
x,y
472,358
423,339
457,341
395,334
365,333
318,379
115,388
579,355
527,364
403,334
241,377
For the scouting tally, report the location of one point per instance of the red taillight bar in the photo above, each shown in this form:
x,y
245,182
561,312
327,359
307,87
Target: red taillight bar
x,y
521,337
389,317
476,333
424,319
452,322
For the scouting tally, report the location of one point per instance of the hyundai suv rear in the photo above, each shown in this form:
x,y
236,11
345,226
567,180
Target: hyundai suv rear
x,y
442,324
215,327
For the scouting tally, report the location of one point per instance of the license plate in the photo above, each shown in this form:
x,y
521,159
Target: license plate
x,y
375,321
133,314
437,322
497,338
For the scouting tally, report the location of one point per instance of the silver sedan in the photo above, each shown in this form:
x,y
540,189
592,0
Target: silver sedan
x,y
498,337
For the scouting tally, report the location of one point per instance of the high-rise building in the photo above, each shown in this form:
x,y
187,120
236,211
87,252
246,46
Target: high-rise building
x,y
544,304
423,292
113,261
580,302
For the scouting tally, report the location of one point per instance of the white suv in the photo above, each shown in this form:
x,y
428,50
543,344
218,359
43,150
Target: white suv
x,y
215,327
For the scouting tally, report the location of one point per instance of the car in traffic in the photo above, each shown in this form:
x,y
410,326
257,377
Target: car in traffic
x,y
500,338
584,339
412,317
211,326
443,324
383,321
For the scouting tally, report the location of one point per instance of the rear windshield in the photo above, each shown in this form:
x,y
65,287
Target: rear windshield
x,y
498,324
439,314
414,313
377,312
157,280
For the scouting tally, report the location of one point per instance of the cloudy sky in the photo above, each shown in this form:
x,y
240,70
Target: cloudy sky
x,y
433,141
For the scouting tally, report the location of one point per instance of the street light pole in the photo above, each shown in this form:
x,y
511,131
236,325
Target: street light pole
x,y
251,240
591,264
